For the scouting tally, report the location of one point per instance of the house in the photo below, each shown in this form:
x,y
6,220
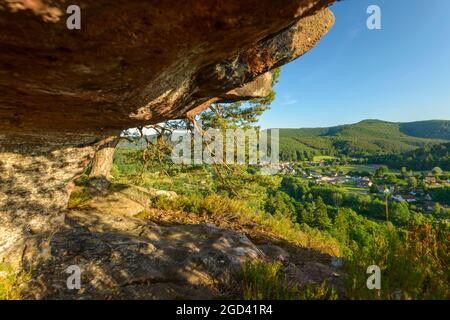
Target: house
x,y
429,180
327,179
398,198
417,193
410,198
364,183
315,175
287,167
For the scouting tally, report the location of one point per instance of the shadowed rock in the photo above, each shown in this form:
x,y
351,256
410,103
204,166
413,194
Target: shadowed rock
x,y
140,62
132,63
125,257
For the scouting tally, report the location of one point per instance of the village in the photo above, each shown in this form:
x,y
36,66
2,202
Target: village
x,y
413,188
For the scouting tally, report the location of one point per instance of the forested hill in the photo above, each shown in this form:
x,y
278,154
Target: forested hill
x,y
423,158
434,129
365,138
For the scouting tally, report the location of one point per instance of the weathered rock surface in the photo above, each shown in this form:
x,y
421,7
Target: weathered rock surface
x,y
125,257
136,62
34,191
132,63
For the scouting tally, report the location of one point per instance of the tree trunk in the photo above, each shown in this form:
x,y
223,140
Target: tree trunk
x,y
102,163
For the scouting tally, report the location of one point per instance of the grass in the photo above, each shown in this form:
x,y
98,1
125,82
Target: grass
x,y
261,280
320,158
78,198
357,167
351,188
220,207
199,194
266,281
186,180
11,282
414,261
414,264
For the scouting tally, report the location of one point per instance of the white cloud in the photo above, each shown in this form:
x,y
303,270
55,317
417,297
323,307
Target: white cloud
x,y
288,100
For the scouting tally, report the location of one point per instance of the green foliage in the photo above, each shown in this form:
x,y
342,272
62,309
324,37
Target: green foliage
x,y
239,114
424,158
316,215
412,249
412,182
217,206
261,280
366,138
265,281
212,205
78,198
280,203
353,230
399,213
441,195
82,181
381,171
432,129
436,171
295,187
128,163
11,282
414,264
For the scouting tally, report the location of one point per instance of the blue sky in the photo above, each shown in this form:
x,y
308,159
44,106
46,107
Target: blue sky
x,y
398,73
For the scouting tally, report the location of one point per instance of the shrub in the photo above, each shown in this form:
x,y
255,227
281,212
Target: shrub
x,y
11,283
78,198
279,225
265,281
413,263
281,203
82,181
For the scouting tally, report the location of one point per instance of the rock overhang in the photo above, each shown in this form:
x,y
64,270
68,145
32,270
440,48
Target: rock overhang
x,y
139,62
132,63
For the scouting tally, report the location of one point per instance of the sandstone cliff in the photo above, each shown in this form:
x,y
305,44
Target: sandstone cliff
x,y
132,63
